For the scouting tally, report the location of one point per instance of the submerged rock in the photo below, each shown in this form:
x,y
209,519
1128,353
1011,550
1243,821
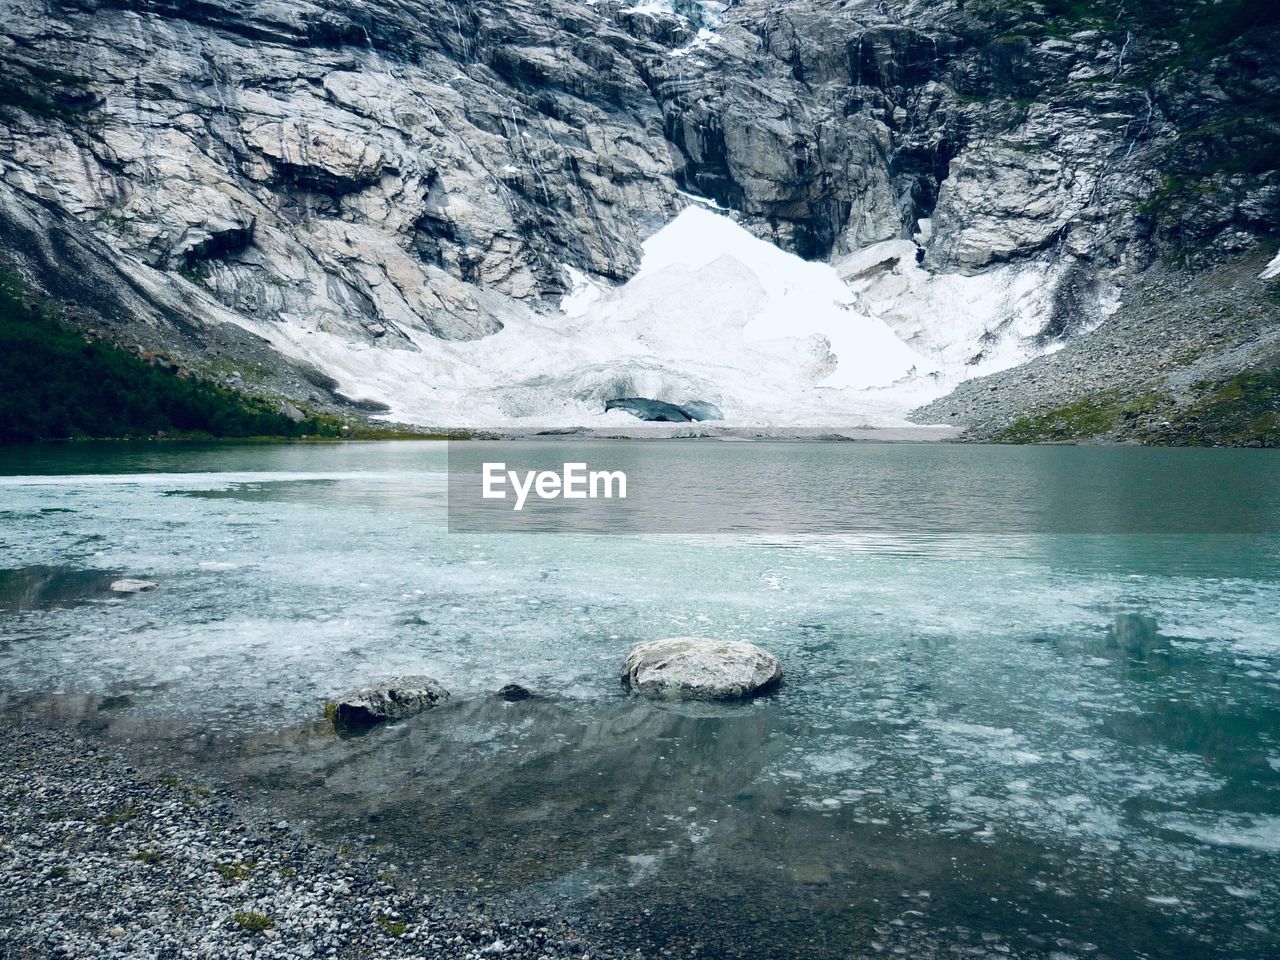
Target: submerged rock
x,y
515,691
393,699
697,668
130,585
1136,636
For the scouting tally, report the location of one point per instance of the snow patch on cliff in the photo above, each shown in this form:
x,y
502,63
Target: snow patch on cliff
x,y
968,326
1271,270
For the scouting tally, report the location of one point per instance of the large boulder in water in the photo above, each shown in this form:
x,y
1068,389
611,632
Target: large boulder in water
x,y
393,699
696,668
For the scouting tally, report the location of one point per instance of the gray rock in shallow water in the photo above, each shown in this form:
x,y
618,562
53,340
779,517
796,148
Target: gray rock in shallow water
x,y
1136,636
696,668
515,691
393,699
130,585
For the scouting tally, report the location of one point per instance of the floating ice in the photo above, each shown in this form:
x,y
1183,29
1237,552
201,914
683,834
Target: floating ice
x,y
1247,832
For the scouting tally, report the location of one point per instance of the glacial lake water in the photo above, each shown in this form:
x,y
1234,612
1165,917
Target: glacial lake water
x,y
1041,743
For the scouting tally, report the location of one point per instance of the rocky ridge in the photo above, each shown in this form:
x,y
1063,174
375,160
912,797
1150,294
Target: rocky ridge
x,y
234,182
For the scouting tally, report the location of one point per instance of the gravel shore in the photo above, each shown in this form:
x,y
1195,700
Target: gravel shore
x,y
103,859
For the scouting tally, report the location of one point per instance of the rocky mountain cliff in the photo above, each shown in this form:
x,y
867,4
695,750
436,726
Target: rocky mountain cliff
x,y
329,200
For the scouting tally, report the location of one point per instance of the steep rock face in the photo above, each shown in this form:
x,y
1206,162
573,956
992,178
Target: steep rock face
x,y
275,151
402,173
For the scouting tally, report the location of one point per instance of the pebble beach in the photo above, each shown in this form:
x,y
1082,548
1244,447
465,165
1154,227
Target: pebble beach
x,y
103,858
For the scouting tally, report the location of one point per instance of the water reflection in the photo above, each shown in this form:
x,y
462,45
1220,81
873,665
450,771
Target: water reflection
x,y
42,587
662,822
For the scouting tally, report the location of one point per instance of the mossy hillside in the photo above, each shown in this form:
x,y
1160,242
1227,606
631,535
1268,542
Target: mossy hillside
x,y
1240,411
58,385
1084,419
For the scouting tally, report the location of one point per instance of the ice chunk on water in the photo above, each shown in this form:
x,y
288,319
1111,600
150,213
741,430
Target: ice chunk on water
x,y
1244,831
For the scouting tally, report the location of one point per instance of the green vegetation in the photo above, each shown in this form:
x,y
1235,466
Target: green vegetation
x,y
396,928
1089,417
1172,188
1214,25
1238,134
1240,411
1243,410
237,870
197,272
1200,26
58,385
119,815
1240,142
193,789
252,922
40,91
149,857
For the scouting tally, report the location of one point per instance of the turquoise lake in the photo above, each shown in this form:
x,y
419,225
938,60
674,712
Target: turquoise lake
x,y
1047,739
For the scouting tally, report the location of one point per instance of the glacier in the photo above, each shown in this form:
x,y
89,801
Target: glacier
x,y
714,315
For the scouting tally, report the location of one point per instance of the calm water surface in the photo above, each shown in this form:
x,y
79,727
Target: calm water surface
x,y
1012,744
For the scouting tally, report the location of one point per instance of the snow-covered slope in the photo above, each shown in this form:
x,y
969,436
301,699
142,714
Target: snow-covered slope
x,y
795,300
716,315
968,325
1272,269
